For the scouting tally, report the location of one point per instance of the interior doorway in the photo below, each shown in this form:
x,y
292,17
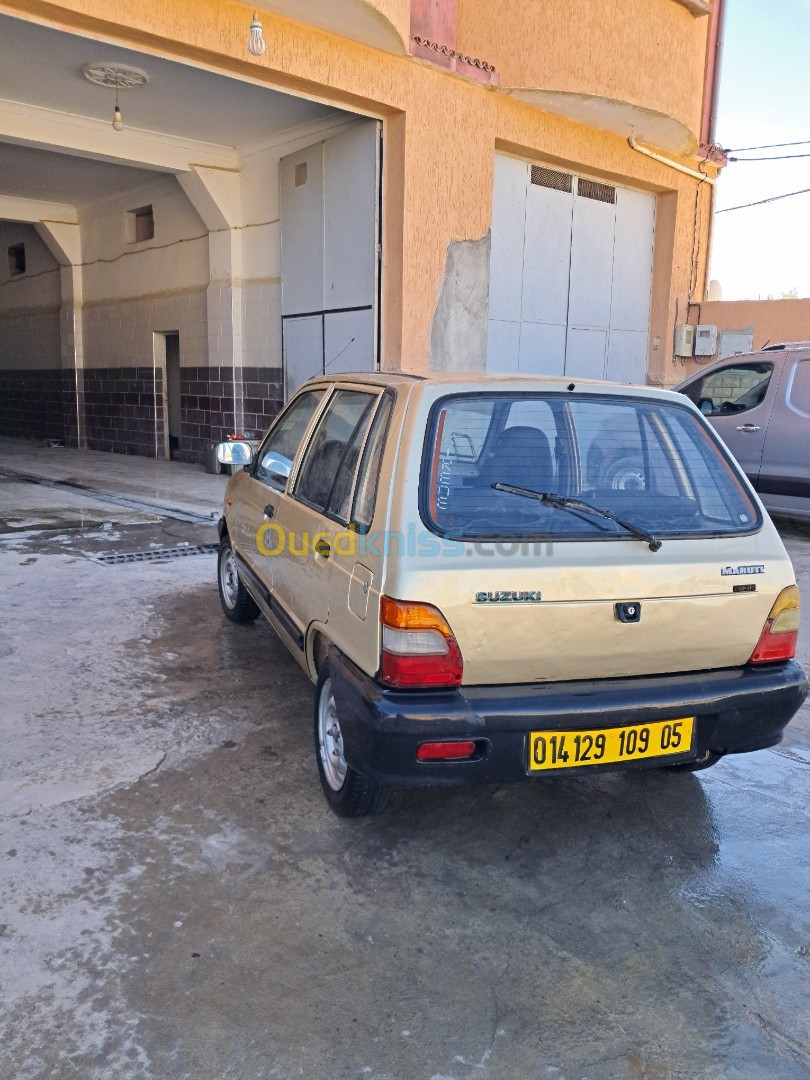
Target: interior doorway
x,y
173,389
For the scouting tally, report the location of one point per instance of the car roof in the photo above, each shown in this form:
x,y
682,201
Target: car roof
x,y
480,382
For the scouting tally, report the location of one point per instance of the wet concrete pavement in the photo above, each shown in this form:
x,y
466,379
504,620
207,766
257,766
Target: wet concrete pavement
x,y
177,901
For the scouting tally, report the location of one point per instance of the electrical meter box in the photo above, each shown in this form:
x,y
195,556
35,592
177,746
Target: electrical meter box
x,y
684,340
705,341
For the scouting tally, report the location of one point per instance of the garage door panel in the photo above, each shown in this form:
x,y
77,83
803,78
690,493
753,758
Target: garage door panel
x,y
546,255
508,231
350,231
632,262
591,263
348,341
503,346
627,356
302,341
542,349
585,354
300,196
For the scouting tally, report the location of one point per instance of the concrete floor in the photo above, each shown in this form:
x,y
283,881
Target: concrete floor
x,y
177,901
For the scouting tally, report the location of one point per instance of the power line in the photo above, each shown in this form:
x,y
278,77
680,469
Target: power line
x,y
774,157
761,202
770,146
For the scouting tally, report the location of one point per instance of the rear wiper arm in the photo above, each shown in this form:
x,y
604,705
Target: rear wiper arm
x,y
566,503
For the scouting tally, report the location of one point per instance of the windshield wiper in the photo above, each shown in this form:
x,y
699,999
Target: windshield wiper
x,y
566,503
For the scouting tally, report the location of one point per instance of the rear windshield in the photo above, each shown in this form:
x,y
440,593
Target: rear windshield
x,y
651,463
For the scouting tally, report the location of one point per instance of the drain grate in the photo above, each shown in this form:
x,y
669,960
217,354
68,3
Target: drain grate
x,y
158,555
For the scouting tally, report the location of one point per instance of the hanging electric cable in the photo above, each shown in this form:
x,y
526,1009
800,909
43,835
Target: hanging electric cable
x,y
769,146
761,202
775,157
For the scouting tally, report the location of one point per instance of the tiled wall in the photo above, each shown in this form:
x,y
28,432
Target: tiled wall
x,y
123,409
207,405
34,404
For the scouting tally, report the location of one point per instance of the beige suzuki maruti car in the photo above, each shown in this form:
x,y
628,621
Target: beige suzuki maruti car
x,y
457,566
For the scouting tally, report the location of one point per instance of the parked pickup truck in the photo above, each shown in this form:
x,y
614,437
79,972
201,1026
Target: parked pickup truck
x,y
453,563
759,404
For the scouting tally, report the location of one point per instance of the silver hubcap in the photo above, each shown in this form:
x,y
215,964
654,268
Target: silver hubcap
x,y
229,579
330,739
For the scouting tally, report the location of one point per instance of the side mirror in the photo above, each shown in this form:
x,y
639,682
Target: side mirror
x,y
234,453
277,466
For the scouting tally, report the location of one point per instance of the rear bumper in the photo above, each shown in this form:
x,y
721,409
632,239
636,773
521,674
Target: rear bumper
x,y
737,710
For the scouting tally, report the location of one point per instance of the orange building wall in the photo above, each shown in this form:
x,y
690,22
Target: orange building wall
x,y
441,132
771,321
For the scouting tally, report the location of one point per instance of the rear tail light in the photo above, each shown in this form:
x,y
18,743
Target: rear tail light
x,y
780,634
419,649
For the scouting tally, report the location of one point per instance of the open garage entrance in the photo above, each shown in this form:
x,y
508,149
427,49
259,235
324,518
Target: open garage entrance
x,y
167,283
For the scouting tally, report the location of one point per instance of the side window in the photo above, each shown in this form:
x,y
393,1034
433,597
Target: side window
x,y
800,388
330,461
732,389
369,473
277,452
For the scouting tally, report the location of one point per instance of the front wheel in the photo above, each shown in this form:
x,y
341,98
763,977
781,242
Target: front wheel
x,y
348,792
237,603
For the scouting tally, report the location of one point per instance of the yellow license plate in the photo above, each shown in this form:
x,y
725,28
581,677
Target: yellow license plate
x,y
573,749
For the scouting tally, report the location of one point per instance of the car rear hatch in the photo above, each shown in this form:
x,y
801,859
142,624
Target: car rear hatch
x,y
564,593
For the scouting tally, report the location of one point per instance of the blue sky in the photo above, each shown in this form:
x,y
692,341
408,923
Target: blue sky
x,y
764,98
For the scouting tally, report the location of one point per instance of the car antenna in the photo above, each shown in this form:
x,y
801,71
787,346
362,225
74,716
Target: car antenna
x,y
571,386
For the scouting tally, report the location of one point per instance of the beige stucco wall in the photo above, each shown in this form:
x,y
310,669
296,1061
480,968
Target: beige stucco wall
x,y
770,321
650,53
441,133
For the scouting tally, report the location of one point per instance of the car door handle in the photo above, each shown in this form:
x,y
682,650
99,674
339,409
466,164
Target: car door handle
x,y
269,510
748,427
323,548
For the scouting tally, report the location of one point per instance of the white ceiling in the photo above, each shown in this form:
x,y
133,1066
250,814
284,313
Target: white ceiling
x,y
28,173
183,101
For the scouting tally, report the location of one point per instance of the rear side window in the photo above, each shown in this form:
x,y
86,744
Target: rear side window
x,y
732,389
799,388
652,463
330,462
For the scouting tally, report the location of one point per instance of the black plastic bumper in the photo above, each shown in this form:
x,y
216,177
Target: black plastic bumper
x,y
736,710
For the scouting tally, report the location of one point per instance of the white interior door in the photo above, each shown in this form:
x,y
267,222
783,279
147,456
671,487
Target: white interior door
x,y
329,208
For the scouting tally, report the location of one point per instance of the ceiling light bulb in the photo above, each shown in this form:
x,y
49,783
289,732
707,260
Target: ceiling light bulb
x,y
118,120
256,43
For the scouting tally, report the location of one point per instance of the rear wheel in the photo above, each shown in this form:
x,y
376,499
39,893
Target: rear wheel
x,y
705,761
348,792
237,603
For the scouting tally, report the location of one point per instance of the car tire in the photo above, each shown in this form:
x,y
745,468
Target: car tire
x,y
624,474
705,761
348,792
237,603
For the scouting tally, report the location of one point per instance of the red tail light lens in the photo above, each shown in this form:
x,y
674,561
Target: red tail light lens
x,y
445,751
419,649
780,634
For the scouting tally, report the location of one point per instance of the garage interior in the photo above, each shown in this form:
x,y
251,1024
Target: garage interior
x,y
141,301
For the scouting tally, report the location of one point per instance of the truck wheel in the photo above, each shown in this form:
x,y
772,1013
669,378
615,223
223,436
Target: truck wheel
x,y
349,793
705,761
237,603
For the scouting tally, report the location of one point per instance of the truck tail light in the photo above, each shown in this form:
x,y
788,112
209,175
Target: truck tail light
x,y
419,649
780,633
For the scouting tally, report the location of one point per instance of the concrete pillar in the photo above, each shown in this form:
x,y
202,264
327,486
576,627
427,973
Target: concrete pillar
x,y
216,195
63,240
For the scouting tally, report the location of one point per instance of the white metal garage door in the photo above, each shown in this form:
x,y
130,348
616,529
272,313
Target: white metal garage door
x,y
329,208
570,275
